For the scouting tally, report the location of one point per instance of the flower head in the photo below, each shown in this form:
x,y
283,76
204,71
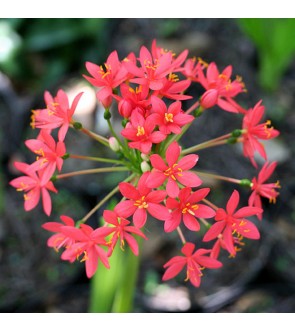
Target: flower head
x,y
194,262
220,89
176,170
88,243
59,239
121,229
140,200
230,222
253,131
188,209
171,119
49,154
58,113
261,189
34,185
140,132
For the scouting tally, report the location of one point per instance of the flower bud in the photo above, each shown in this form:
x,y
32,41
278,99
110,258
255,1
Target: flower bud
x,y
145,157
125,108
145,167
209,98
114,144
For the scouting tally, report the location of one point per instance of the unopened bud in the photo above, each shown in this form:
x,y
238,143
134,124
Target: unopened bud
x,y
114,144
77,125
236,133
145,157
246,183
145,167
209,98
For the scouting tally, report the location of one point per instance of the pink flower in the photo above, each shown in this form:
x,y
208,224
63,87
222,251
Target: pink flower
x,y
220,89
194,263
49,154
141,132
35,185
262,189
87,242
191,69
175,171
188,209
133,99
107,78
121,230
230,222
169,120
173,88
253,131
152,70
59,239
141,200
221,244
58,113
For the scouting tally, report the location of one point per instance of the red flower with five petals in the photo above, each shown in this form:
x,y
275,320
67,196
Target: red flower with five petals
x,y
194,263
121,229
253,131
229,222
188,209
141,200
35,185
87,242
175,171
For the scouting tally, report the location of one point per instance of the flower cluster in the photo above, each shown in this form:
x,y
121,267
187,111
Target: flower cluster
x,y
163,179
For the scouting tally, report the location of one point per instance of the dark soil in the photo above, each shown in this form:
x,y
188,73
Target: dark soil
x,y
260,279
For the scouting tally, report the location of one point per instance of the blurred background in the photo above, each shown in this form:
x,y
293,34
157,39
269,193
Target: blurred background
x,y
48,54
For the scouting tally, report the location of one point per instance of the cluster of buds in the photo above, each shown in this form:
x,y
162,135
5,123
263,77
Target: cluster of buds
x,y
163,180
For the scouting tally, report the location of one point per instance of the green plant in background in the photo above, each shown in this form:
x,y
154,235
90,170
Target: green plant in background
x,y
275,44
36,53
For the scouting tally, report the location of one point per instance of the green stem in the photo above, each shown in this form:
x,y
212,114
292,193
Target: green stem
x,y
218,177
95,136
208,144
195,105
103,160
182,238
92,171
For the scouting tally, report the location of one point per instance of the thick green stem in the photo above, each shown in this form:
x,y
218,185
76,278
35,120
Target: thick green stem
x,y
113,290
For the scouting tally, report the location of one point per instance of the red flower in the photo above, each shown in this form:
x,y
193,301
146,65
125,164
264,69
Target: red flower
x,y
169,120
49,154
152,70
107,78
141,200
133,99
188,209
87,242
252,131
230,222
57,114
59,239
194,263
35,185
261,189
140,132
175,171
121,230
220,89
